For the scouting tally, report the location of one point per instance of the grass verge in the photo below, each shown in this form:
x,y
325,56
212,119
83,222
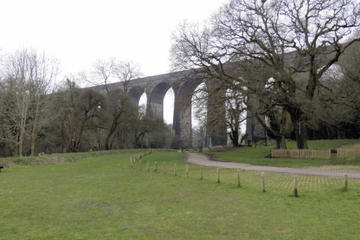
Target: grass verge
x,y
101,197
259,155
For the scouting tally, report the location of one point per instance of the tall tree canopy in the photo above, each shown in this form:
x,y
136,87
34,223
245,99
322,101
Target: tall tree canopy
x,y
292,43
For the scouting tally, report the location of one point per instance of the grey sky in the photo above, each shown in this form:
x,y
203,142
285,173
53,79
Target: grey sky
x,y
79,32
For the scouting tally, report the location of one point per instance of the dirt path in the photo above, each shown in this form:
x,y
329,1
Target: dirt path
x,y
203,160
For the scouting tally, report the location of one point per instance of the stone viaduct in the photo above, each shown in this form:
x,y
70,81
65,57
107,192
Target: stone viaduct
x,y
183,84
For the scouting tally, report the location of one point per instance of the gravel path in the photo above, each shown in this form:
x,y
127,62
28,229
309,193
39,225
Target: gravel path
x,y
203,160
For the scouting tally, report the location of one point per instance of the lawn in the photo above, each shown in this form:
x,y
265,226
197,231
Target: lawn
x,y
101,197
259,155
326,144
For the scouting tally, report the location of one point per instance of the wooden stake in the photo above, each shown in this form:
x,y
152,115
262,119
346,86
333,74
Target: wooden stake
x,y
132,162
295,187
156,167
263,182
201,174
187,170
218,175
345,182
174,169
238,178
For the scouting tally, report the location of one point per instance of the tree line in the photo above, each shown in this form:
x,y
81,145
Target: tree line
x,y
37,115
292,64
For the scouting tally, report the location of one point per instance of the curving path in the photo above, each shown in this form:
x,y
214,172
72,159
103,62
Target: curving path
x,y
203,160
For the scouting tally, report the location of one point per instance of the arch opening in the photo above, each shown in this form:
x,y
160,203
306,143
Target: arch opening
x,y
156,99
142,104
199,102
235,113
199,106
182,123
135,93
168,106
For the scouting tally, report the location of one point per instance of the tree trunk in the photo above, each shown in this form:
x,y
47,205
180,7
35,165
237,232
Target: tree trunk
x,y
281,142
35,127
22,127
109,136
21,138
201,142
301,131
108,141
234,136
301,135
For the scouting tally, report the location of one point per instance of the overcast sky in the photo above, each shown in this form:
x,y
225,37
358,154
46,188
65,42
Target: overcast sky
x,y
79,32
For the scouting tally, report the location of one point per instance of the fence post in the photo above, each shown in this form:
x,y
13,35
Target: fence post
x,y
345,182
156,167
201,174
263,181
238,178
295,186
218,175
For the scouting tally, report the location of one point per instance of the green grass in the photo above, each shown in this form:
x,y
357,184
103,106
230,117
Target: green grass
x,y
101,197
258,155
326,144
56,158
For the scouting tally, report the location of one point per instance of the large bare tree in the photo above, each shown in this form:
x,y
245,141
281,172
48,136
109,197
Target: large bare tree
x,y
77,111
121,107
112,70
27,79
297,40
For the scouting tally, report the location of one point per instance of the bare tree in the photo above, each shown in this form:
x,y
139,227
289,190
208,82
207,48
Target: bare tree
x,y
340,94
112,70
77,111
298,40
235,105
126,71
120,104
46,70
28,77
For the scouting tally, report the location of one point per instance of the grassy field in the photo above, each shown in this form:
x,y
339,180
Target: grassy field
x,y
259,155
57,158
101,197
326,144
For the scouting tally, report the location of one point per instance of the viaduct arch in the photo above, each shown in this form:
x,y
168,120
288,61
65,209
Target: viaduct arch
x,y
184,84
